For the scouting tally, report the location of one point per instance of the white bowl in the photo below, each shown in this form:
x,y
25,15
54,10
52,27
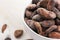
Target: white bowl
x,y
34,35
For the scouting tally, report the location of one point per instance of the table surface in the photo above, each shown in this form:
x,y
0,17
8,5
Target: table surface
x,y
10,14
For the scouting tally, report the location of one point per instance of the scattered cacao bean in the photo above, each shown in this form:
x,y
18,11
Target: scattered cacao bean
x,y
7,38
18,33
4,28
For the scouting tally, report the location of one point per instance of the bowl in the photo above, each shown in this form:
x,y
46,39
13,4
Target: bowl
x,y
33,34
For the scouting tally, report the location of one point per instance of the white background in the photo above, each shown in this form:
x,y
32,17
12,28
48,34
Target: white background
x,y
11,14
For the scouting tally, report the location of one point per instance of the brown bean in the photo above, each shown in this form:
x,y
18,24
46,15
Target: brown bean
x,y
31,7
36,17
54,35
46,14
50,5
50,29
47,23
57,12
28,14
7,38
30,23
44,3
4,28
18,33
38,27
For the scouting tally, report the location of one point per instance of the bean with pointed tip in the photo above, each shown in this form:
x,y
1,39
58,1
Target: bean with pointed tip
x,y
4,28
38,27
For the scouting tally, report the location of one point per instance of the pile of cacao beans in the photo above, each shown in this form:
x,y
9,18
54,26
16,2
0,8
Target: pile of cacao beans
x,y
43,17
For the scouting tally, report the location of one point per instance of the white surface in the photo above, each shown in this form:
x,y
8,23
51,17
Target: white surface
x,y
10,14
